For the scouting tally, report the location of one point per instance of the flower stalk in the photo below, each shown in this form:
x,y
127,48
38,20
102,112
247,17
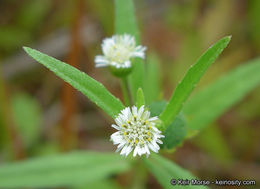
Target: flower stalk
x,y
126,91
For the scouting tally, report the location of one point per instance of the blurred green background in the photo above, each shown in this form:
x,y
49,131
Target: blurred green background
x,y
41,115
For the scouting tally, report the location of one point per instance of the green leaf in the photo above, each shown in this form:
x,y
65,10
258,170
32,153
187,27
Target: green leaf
x,y
104,184
32,13
94,90
253,22
62,170
125,22
104,10
157,107
211,102
136,77
152,83
140,98
12,37
192,77
27,116
175,132
165,170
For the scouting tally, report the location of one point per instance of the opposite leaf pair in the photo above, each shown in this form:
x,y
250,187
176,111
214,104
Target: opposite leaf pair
x,y
141,138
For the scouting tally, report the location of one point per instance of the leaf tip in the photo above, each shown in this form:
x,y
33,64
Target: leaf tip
x,y
225,41
228,38
26,49
139,90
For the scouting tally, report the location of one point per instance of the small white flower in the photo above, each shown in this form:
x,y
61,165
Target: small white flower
x,y
118,50
136,132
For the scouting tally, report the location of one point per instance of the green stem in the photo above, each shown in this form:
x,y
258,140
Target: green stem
x,y
140,175
126,91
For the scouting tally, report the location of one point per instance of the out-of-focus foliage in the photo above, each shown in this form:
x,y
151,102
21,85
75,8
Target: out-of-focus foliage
x,y
152,79
62,170
32,13
254,15
27,115
165,170
140,99
205,106
28,20
11,37
104,12
217,148
104,184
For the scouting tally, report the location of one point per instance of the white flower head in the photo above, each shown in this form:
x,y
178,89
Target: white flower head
x,y
136,132
118,50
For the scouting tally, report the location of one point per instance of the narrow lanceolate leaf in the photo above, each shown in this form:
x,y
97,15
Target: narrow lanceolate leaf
x,y
208,104
125,22
94,90
61,170
192,77
165,170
